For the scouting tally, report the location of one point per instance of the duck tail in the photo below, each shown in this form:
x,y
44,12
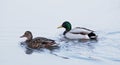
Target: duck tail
x,y
92,35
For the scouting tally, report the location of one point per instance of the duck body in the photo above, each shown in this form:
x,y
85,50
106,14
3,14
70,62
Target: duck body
x,y
40,42
37,42
77,32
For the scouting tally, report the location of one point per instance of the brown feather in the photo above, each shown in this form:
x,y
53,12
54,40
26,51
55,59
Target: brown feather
x,y
38,42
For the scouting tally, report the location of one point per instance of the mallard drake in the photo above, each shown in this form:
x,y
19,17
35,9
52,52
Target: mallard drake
x,y
77,32
37,42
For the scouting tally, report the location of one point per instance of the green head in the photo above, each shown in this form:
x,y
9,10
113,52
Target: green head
x,y
67,26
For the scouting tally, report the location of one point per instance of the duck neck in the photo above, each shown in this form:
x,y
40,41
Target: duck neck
x,y
29,38
67,29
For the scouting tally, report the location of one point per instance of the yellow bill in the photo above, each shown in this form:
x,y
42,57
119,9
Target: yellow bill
x,y
60,27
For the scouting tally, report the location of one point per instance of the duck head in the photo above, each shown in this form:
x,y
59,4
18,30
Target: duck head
x,y
28,35
67,25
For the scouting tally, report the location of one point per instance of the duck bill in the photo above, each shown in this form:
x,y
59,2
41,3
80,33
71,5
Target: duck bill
x,y
22,36
59,27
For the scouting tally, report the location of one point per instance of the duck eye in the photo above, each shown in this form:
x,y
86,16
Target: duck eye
x,y
64,24
26,33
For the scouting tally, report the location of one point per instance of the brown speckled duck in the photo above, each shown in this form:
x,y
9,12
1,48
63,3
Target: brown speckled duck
x,y
37,42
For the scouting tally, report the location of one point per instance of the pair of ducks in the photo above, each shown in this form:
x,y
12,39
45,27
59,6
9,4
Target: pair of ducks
x,y
77,33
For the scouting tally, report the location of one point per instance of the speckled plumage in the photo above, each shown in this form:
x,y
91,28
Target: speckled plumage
x,y
38,42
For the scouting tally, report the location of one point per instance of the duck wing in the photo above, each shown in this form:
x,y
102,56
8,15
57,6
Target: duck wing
x,y
44,40
36,42
82,33
81,30
84,29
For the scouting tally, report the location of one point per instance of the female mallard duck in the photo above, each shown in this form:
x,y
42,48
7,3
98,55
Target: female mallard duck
x,y
78,32
38,42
